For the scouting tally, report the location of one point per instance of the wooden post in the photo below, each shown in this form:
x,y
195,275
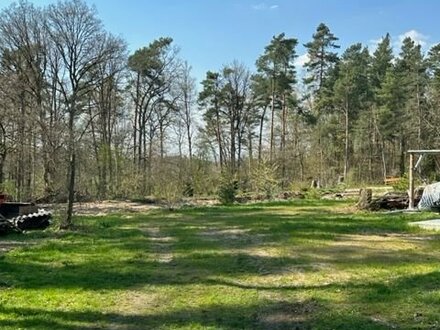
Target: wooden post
x,y
411,182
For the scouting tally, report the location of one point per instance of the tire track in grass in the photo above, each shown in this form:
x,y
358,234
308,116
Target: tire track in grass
x,y
160,244
141,303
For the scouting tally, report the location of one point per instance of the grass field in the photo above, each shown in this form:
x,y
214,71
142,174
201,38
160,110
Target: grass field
x,y
296,265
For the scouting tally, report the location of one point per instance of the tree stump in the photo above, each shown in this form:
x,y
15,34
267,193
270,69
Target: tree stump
x,y
365,197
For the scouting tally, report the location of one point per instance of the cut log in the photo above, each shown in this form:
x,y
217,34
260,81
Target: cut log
x,y
365,196
389,201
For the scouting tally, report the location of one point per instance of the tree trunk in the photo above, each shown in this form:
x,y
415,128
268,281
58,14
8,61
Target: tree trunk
x,y
67,223
272,121
219,138
233,151
260,137
2,164
384,162
347,142
188,132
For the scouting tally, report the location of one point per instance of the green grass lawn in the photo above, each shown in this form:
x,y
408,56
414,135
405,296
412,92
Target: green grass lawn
x,y
296,265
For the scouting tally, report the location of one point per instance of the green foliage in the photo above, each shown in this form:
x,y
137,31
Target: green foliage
x,y
168,186
402,184
312,193
8,188
351,90
382,61
105,224
277,63
227,190
321,57
263,178
149,61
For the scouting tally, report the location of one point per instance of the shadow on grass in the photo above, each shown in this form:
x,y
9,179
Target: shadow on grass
x,y
115,253
211,247
309,314
78,265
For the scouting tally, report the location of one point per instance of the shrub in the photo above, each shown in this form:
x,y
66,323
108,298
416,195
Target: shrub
x,y
313,193
402,184
227,190
188,189
263,179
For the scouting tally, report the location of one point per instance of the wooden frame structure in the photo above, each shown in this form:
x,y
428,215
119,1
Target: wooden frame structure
x,y
412,167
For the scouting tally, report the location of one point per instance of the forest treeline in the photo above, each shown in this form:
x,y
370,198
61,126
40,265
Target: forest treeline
x,y
82,117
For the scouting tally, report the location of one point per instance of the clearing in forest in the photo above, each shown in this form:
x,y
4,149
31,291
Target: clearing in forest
x,y
295,265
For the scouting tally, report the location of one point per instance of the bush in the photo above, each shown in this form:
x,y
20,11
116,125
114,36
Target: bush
x,y
402,184
188,189
263,179
227,190
313,193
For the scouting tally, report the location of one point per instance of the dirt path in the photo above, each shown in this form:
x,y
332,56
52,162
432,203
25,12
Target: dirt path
x,y
160,244
103,208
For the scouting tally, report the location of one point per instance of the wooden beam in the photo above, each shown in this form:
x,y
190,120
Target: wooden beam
x,y
433,151
418,161
411,182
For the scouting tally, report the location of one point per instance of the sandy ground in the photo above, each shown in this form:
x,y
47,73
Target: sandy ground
x,y
102,208
427,224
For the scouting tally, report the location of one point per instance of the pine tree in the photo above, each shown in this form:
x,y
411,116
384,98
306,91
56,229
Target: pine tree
x,y
391,116
382,64
277,66
321,59
382,61
351,91
321,74
411,66
433,116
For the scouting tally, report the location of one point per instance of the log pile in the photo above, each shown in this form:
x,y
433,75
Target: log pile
x,y
390,201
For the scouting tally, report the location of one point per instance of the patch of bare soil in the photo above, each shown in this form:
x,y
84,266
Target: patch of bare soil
x,y
231,233
160,244
288,315
103,208
384,243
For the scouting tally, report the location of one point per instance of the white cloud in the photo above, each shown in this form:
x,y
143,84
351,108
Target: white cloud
x,y
260,6
264,6
301,60
416,36
375,42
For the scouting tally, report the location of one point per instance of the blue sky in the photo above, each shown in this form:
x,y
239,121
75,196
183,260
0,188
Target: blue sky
x,y
211,33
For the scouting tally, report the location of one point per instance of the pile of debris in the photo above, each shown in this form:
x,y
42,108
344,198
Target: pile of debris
x,y
389,201
7,226
17,217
